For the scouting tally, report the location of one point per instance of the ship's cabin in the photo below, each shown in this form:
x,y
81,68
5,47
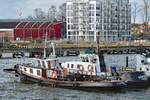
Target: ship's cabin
x,y
88,64
91,58
48,63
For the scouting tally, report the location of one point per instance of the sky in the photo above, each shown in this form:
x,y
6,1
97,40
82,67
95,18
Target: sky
x,y
9,8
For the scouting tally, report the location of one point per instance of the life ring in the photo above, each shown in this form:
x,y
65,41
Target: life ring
x,y
53,74
81,68
64,71
90,68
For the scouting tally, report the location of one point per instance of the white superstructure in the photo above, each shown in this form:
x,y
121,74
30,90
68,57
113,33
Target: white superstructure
x,y
88,65
112,18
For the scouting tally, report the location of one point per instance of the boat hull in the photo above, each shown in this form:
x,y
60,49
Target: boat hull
x,y
85,85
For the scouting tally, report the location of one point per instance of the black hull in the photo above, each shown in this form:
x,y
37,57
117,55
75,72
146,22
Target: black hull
x,y
142,84
73,85
133,80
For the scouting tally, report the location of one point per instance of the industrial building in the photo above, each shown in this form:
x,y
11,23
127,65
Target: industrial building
x,y
31,30
112,18
6,30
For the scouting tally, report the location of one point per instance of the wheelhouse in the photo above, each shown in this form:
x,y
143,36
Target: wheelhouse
x,y
48,63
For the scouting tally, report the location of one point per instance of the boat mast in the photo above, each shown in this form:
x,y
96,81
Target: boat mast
x,y
45,45
53,46
100,54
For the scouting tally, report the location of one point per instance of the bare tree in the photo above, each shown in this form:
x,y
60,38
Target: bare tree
x,y
146,11
136,9
39,13
51,15
30,17
62,12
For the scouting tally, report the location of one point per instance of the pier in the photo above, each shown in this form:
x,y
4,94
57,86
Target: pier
x,y
65,49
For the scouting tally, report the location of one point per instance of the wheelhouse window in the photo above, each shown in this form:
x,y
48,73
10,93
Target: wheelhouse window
x,y
39,64
25,69
20,67
55,62
94,60
78,66
38,73
72,65
68,65
85,59
31,71
43,63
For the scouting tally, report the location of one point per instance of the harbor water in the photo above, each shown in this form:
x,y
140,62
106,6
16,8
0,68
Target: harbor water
x,y
12,89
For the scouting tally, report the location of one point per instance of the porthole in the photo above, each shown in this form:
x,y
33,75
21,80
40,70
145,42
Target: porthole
x,y
140,69
147,69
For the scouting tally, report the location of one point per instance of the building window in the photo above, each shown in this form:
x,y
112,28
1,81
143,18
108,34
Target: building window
x,y
91,13
31,71
69,33
98,8
69,27
38,73
69,7
91,6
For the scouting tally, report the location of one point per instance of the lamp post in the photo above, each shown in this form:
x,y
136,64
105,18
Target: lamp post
x,y
3,40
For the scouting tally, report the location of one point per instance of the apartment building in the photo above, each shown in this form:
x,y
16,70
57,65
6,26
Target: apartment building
x,y
111,18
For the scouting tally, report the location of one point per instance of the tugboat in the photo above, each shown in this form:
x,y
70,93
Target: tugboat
x,y
49,71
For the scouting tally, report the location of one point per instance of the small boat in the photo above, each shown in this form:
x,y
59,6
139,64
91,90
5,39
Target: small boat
x,y
135,79
126,67
0,55
145,66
